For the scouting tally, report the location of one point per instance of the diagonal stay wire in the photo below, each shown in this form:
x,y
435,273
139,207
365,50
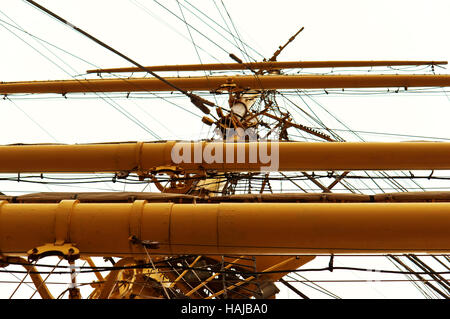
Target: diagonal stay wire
x,y
243,50
314,286
154,268
26,283
316,119
146,10
411,280
21,282
195,99
43,282
112,103
193,42
46,48
189,25
395,184
57,65
193,28
228,28
356,134
31,119
211,27
19,28
224,29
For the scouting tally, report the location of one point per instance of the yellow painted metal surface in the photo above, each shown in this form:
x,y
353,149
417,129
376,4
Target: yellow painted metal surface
x,y
127,197
231,228
268,65
267,82
293,156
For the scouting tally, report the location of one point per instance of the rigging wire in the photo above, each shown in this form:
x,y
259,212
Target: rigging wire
x,y
193,42
205,269
196,100
410,278
32,120
238,36
146,10
211,27
224,29
315,286
111,102
117,106
193,28
28,272
17,27
229,30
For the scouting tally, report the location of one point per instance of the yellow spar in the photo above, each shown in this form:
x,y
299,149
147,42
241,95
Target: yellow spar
x,y
267,65
218,156
226,228
211,83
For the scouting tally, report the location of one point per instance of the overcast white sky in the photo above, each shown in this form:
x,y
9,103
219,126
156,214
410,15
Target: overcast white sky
x,y
147,33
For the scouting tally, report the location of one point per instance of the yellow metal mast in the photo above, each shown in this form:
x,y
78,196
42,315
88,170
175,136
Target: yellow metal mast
x,y
210,83
290,156
268,65
224,229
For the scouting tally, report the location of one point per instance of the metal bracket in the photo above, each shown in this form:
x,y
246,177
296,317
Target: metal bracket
x,y
62,221
229,87
66,251
158,170
146,243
